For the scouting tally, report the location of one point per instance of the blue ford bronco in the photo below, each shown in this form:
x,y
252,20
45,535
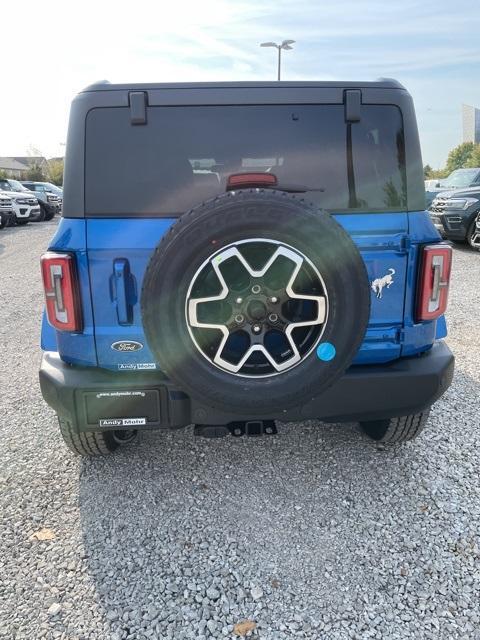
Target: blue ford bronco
x,y
231,254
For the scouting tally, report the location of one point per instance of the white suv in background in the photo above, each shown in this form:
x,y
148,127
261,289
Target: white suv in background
x,y
24,203
6,211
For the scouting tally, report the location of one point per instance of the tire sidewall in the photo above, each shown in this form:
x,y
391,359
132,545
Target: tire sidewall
x,y
230,219
470,232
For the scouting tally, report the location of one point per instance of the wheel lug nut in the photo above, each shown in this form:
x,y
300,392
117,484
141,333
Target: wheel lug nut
x,y
273,299
256,288
239,318
273,317
239,300
256,328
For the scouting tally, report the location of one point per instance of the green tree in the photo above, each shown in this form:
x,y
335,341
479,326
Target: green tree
x,y
474,160
438,173
459,157
35,172
55,171
427,170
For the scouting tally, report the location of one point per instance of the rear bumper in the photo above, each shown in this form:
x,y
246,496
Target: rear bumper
x,y
94,398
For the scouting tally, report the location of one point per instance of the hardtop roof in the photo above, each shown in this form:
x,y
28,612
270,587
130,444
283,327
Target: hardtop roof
x,y
381,83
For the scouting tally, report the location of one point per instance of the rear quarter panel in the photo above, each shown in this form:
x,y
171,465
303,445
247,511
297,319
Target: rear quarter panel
x,y
385,241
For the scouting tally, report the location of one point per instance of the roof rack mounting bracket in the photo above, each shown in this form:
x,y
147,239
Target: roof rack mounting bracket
x,y
138,107
353,104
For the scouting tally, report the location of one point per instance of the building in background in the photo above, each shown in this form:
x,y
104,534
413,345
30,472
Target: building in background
x,y
20,166
471,124
13,168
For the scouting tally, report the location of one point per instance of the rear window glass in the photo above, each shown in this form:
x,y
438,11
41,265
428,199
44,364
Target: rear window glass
x,y
184,155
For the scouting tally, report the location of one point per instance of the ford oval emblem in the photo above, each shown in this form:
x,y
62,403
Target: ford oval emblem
x,y
127,345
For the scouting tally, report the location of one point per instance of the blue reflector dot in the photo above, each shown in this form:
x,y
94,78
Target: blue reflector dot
x,y
326,351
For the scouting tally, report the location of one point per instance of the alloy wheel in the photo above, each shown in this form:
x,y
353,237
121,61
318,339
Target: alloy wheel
x,y
256,308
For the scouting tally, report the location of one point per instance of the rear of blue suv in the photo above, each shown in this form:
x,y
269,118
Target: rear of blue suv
x,y
233,254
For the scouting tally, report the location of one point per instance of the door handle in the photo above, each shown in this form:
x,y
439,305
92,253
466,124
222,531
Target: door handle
x,y
123,290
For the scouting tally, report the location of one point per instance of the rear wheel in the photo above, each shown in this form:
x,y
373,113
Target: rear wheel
x,y
90,444
473,236
396,430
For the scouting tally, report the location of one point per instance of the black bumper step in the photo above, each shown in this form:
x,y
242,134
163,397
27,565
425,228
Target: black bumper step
x,y
90,397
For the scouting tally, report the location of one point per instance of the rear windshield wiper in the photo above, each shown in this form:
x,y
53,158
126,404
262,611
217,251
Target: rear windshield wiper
x,y
296,188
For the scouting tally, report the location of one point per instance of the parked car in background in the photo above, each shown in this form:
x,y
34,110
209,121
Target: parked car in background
x,y
49,201
55,189
454,214
458,179
6,210
25,205
432,185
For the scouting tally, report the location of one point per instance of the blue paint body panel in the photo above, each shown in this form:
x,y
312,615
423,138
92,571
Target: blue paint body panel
x,y
441,331
380,239
109,240
113,254
48,338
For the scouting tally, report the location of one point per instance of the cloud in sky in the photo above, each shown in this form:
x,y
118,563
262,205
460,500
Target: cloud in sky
x,y
431,47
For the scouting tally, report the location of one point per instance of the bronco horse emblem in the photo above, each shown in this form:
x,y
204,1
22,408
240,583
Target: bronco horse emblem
x,y
379,283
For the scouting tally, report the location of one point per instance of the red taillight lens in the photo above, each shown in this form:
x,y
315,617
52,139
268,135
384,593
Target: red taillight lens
x,y
434,281
252,180
62,297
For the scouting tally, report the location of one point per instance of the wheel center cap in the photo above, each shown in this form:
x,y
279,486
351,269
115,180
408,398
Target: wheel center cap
x,y
256,310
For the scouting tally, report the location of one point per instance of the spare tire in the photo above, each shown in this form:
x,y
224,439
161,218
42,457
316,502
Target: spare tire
x,y
255,302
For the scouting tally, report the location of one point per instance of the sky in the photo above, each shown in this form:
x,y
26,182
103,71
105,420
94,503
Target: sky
x,y
53,49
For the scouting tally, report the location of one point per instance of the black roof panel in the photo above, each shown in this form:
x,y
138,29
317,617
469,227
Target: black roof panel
x,y
381,83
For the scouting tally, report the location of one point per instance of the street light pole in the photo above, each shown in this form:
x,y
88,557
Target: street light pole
x,y
286,44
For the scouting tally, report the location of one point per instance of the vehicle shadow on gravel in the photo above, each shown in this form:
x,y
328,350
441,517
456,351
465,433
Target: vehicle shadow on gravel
x,y
317,510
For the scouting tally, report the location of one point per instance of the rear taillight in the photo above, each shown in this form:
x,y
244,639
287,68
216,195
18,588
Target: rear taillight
x,y
62,297
434,281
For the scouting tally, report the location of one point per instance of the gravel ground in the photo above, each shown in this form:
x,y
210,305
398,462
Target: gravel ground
x,y
314,533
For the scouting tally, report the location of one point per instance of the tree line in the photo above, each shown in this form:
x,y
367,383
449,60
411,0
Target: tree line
x,y
49,171
465,155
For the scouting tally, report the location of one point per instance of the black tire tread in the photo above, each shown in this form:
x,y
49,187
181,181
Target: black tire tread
x,y
86,444
396,430
202,211
470,232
